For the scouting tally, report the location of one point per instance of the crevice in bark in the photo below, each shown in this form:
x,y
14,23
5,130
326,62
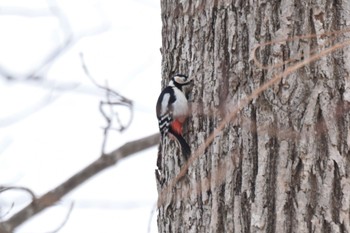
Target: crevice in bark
x,y
246,217
337,195
180,66
224,67
285,56
265,52
210,126
289,207
298,14
326,226
289,210
313,45
245,46
342,228
221,209
276,15
212,31
313,193
178,9
238,180
335,15
257,32
321,137
296,176
271,184
346,149
340,113
254,150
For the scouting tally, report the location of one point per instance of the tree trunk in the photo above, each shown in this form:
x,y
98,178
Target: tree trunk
x,y
282,164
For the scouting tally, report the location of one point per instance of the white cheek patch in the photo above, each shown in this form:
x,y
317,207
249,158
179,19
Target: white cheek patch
x,y
180,80
177,79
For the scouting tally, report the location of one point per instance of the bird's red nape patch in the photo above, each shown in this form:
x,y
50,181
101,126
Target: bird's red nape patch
x,y
177,127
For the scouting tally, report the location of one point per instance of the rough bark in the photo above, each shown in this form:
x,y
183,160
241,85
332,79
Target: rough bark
x,y
282,165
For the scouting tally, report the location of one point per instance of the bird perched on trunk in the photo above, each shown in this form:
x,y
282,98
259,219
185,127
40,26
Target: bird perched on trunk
x,y
173,109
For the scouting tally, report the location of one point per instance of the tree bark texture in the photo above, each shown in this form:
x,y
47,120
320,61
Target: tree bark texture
x,y
283,164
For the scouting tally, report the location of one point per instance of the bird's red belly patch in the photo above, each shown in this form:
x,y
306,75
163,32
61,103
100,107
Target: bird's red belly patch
x,y
177,126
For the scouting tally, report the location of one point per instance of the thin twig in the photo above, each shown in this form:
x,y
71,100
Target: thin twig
x,y
113,99
116,95
71,206
27,190
54,195
19,188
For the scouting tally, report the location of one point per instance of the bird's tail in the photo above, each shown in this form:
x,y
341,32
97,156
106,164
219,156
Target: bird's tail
x,y
185,148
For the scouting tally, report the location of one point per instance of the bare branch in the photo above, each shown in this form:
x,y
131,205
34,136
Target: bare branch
x,y
58,12
113,99
70,38
27,190
3,230
119,99
60,49
51,197
54,54
4,189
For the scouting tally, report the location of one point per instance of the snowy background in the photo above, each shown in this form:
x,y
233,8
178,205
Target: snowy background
x,y
50,125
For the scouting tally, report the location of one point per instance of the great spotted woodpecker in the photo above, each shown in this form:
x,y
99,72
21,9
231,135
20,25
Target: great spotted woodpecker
x,y
172,110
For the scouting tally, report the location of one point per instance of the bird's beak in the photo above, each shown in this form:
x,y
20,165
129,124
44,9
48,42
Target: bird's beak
x,y
189,82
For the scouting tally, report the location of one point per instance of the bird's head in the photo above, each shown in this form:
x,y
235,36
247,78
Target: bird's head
x,y
181,79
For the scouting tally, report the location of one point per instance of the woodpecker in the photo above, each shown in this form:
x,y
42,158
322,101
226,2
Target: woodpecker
x,y
172,110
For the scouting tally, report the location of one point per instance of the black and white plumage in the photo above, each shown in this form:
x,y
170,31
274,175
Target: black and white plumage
x,y
172,110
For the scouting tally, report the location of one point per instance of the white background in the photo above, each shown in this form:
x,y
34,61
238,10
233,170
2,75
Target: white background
x,y
52,128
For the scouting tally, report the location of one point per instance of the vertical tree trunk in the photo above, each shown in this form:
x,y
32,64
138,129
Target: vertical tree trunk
x,y
282,165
